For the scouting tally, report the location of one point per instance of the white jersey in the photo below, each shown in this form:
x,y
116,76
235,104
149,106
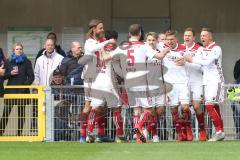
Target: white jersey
x,y
154,76
175,73
105,79
133,58
160,46
92,49
194,71
211,61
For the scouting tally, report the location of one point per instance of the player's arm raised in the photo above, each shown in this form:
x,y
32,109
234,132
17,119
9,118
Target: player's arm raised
x,y
105,55
162,54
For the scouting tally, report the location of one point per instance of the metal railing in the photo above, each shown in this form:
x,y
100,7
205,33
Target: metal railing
x,y
23,115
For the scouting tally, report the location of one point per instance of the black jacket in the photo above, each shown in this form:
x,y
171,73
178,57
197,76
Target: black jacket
x,y
1,86
25,75
236,71
71,69
2,61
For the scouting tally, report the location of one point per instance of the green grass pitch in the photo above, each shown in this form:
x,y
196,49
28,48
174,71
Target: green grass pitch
x,y
226,150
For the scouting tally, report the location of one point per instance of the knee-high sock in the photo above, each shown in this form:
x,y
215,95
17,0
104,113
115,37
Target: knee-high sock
x,y
201,123
135,120
187,118
91,120
177,122
216,118
118,121
83,123
145,117
100,120
217,108
152,125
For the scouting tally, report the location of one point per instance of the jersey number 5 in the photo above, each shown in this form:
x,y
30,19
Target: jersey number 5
x,y
131,59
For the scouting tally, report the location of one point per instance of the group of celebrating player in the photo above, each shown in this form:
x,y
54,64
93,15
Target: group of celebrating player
x,y
155,73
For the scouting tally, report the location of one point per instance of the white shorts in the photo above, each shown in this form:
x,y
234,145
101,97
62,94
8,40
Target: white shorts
x,y
214,92
157,101
109,98
138,98
87,90
178,95
196,91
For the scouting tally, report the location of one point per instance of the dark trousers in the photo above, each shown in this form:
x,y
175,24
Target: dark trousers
x,y
236,115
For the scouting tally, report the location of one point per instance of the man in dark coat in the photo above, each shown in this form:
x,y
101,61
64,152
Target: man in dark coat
x,y
70,67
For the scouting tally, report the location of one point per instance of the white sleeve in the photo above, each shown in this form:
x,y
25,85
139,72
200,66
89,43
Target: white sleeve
x,y
92,46
37,73
150,53
214,55
193,65
115,55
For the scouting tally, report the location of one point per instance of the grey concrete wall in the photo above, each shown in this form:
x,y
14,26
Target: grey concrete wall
x,y
54,13
221,15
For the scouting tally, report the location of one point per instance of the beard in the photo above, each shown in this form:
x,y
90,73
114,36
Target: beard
x,y
99,35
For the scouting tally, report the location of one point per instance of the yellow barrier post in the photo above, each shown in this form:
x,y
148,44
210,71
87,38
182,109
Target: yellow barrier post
x,y
9,133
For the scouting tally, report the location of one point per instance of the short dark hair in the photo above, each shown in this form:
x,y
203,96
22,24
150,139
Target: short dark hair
x,y
135,29
191,30
109,34
171,32
142,34
207,29
52,34
57,71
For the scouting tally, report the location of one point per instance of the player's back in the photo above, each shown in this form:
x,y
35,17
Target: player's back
x,y
133,57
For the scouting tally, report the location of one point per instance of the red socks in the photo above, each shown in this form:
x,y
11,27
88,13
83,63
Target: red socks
x,y
153,124
117,119
177,122
135,120
215,116
217,108
83,124
99,119
91,120
200,118
145,117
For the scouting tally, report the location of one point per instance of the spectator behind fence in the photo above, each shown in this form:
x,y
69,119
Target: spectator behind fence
x,y
70,67
2,72
236,103
19,71
58,48
46,63
56,82
62,107
44,67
